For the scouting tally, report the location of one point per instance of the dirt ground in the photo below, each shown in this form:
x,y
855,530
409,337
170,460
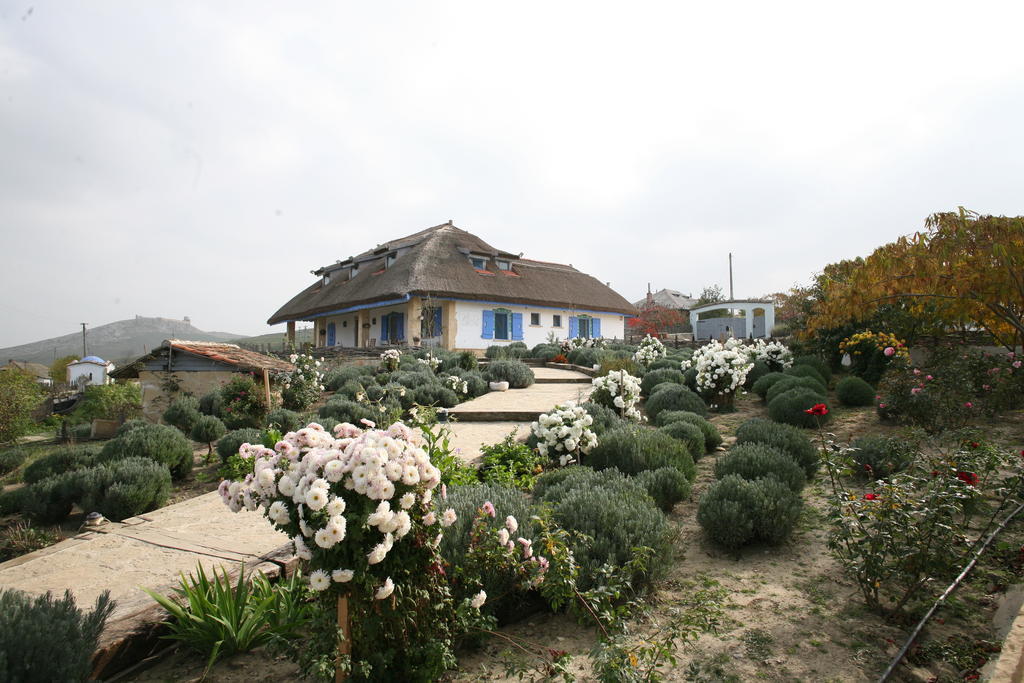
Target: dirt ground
x,y
791,615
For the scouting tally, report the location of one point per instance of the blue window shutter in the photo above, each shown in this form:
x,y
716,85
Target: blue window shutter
x,y
437,322
595,327
488,328
517,326
398,323
331,332
574,327
383,327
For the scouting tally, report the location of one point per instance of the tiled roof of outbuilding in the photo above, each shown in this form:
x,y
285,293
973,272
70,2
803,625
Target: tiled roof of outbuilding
x,y
436,264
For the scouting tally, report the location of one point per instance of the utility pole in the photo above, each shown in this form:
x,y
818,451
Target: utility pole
x,y
730,277
84,354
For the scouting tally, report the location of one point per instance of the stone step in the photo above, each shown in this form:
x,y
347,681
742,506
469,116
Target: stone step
x,y
562,380
494,416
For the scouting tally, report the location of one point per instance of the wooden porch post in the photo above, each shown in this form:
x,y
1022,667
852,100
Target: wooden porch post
x,y
291,333
266,387
345,646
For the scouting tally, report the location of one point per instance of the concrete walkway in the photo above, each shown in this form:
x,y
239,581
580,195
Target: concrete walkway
x,y
490,418
149,551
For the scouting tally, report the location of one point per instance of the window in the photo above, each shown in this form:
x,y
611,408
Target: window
x,y
535,318
556,321
585,329
503,265
478,263
327,279
355,269
501,326
430,322
389,260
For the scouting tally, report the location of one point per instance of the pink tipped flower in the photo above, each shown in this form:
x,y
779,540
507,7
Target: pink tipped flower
x,y
915,390
968,405
889,351
881,405
929,377
916,371
1016,364
488,508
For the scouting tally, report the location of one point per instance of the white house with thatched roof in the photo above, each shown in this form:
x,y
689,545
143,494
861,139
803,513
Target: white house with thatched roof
x,y
446,287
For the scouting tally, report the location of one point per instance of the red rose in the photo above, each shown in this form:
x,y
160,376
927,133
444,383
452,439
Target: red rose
x,y
975,444
969,478
817,409
871,496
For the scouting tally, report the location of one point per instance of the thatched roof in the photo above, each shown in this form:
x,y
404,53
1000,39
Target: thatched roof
x,y
435,262
239,359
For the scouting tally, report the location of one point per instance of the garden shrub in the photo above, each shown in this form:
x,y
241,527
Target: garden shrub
x,y
762,385
618,524
516,373
553,485
130,425
690,435
690,379
784,437
879,457
437,395
632,450
510,463
675,397
785,385
43,638
475,382
759,370
244,403
790,407
734,512
605,418
212,404
465,360
118,401
586,357
182,413
123,488
11,459
655,377
545,352
758,460
13,500
229,444
64,459
20,396
208,429
352,388
805,371
669,363
853,391
328,423
344,410
159,443
667,486
818,364
49,501
286,420
613,363
497,352
335,378
712,439
411,379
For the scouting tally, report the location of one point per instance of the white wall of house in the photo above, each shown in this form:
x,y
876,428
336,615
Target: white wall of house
x,y
469,317
94,373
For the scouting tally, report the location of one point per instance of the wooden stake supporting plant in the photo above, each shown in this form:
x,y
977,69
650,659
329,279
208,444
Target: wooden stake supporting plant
x,y
345,644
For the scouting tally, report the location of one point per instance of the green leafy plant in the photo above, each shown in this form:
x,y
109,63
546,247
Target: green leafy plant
x,y
43,638
757,460
20,395
109,402
62,459
208,429
160,443
785,385
229,444
21,538
712,438
791,407
182,413
244,403
734,511
784,437
437,444
690,435
516,373
878,457
655,377
675,397
511,462
635,449
853,391
11,459
122,488
219,619
766,382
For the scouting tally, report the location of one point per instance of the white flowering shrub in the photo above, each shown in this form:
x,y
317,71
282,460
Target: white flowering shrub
x,y
721,369
583,343
650,350
456,384
302,387
390,359
773,353
564,433
619,390
431,361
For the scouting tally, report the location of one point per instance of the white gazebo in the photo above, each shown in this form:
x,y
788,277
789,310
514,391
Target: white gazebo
x,y
757,320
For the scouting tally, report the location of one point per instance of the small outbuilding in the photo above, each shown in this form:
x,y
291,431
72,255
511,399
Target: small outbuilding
x,y
91,370
192,367
745,319
38,371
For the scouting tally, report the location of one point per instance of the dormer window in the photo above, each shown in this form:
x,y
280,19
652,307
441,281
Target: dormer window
x,y
390,259
355,269
503,265
327,279
478,262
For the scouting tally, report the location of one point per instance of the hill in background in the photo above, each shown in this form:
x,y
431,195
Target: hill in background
x,y
121,342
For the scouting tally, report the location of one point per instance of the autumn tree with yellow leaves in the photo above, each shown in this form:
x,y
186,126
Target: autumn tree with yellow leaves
x,y
964,269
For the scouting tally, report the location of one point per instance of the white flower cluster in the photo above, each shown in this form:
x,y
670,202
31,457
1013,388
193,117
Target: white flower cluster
x,y
315,486
721,368
621,390
564,433
390,359
430,361
650,350
774,353
583,343
303,385
456,384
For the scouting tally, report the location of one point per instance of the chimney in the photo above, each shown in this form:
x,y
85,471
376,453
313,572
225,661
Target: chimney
x,y
650,297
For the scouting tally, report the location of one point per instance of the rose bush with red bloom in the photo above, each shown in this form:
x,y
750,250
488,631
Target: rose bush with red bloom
x,y
969,478
817,409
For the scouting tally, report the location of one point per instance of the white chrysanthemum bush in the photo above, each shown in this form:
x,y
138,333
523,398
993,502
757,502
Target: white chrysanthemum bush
x,y
366,517
564,433
721,370
390,359
302,387
649,350
620,391
775,354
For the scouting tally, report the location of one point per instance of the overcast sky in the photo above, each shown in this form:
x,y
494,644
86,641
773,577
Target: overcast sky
x,y
175,158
